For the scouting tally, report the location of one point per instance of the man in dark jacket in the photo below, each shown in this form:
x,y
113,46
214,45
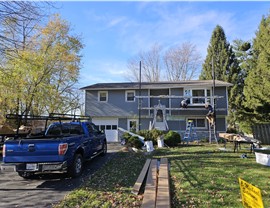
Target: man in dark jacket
x,y
184,103
210,116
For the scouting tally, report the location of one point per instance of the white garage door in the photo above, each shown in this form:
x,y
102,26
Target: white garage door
x,y
109,126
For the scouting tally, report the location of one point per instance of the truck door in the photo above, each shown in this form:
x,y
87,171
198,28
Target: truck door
x,y
95,136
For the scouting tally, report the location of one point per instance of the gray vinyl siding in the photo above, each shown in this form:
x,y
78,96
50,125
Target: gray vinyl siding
x,y
145,123
117,107
175,103
221,102
122,123
144,101
118,99
175,125
157,92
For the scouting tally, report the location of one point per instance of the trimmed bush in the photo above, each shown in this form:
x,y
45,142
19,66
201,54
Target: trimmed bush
x,y
146,134
151,135
172,138
155,133
134,141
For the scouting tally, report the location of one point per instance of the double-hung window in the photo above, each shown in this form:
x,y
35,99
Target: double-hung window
x,y
198,96
103,96
130,96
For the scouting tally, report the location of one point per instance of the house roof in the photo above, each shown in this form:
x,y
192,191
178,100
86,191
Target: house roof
x,y
156,85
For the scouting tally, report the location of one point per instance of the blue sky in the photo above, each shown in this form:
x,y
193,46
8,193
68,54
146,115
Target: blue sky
x,y
113,32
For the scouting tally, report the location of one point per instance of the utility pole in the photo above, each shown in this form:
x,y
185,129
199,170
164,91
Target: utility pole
x,y
140,88
214,100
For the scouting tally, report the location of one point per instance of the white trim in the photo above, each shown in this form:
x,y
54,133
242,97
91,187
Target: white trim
x,y
106,92
126,95
190,89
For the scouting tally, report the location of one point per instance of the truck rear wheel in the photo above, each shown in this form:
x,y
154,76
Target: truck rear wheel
x,y
26,175
75,169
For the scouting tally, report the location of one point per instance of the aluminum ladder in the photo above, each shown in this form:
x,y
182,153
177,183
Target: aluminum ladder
x,y
190,133
212,133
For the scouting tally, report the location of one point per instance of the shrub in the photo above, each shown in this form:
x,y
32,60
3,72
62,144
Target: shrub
x,y
155,133
172,138
146,134
151,135
126,136
134,141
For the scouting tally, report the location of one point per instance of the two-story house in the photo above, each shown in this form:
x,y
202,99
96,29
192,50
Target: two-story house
x,y
137,106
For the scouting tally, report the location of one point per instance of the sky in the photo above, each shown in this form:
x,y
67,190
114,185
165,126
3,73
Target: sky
x,y
114,32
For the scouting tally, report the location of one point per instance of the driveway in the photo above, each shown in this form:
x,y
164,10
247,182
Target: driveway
x,y
48,189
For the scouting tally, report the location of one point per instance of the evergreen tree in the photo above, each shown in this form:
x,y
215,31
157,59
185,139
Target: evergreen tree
x,y
257,84
220,57
240,114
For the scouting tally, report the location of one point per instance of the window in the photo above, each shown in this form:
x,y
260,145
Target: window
x,y
132,125
65,129
92,128
54,130
103,96
199,123
102,128
200,94
75,129
108,127
130,96
159,116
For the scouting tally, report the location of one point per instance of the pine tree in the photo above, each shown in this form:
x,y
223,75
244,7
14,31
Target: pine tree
x,y
220,57
240,114
257,84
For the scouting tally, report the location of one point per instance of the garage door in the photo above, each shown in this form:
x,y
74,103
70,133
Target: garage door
x,y
109,126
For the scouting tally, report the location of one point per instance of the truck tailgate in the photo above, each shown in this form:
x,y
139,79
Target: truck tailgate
x,y
32,150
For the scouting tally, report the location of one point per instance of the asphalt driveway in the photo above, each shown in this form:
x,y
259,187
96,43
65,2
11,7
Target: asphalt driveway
x,y
48,189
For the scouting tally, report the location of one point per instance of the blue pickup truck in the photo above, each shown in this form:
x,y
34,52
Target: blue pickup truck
x,y
63,147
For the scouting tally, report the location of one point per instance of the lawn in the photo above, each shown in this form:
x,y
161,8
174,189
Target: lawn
x,y
201,176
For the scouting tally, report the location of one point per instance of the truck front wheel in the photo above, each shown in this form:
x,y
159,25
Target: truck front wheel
x,y
75,169
104,149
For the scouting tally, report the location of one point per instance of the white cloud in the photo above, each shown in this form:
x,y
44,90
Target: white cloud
x,y
158,22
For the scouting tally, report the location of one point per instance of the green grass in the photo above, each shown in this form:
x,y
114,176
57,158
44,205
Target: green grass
x,y
201,176
111,186
204,176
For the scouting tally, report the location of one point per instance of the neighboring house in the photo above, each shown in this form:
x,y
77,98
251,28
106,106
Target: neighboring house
x,y
113,105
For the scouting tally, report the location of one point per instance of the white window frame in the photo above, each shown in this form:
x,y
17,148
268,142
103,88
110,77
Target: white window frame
x,y
100,92
130,91
195,118
132,120
189,93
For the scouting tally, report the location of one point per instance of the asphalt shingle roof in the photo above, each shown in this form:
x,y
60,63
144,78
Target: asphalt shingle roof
x,y
156,85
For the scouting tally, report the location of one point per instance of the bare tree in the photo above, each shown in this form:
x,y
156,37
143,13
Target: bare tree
x,y
151,65
182,62
18,20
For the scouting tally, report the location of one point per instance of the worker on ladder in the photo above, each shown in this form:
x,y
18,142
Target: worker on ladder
x,y
210,116
184,103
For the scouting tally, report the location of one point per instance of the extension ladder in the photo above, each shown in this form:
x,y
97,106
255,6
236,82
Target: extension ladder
x,y
212,133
